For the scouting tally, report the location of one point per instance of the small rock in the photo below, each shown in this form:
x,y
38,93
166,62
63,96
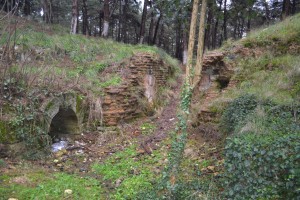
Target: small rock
x,y
60,153
211,168
118,182
188,152
12,199
68,192
101,129
82,170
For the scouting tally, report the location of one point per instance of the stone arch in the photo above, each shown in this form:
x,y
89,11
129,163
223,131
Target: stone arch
x,y
64,122
63,113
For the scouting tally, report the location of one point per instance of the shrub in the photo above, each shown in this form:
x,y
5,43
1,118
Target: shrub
x,y
262,159
237,111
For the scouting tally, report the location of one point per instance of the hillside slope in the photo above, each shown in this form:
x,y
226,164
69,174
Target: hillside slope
x,y
251,92
49,77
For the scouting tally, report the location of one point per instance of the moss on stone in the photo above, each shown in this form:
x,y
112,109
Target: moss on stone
x,y
49,106
79,103
6,134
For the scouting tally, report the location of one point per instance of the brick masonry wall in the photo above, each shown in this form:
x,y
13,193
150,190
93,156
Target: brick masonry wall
x,y
121,102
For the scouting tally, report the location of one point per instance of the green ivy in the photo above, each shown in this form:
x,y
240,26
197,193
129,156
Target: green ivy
x,y
262,158
237,111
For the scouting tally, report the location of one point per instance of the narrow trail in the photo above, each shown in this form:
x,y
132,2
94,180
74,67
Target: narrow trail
x,y
165,122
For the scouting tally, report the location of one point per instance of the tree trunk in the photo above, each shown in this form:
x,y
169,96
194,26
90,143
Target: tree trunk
x,y
225,20
215,35
27,8
100,24
120,22
124,26
178,51
285,9
151,27
156,28
47,11
106,18
143,22
74,17
208,34
161,38
191,42
236,24
294,7
200,49
84,18
185,45
267,11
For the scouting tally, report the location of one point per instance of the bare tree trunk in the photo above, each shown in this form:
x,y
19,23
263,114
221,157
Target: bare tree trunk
x,y
294,7
161,41
143,22
285,9
267,11
100,23
85,21
45,9
151,27
157,28
215,35
191,42
225,20
120,22
106,18
74,17
27,8
124,26
200,49
185,46
207,41
178,51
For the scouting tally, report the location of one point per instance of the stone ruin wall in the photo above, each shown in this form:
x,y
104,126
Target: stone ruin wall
x,y
147,72
215,73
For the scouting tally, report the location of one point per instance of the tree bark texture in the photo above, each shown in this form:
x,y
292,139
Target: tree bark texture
x,y
225,20
106,18
200,49
74,17
191,41
285,9
156,28
143,22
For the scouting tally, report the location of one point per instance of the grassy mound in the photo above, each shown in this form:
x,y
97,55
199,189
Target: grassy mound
x,y
41,61
261,120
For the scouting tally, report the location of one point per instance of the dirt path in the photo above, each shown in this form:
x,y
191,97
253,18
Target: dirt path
x,y
165,122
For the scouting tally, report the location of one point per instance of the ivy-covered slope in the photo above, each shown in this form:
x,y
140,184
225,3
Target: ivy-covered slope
x,y
261,114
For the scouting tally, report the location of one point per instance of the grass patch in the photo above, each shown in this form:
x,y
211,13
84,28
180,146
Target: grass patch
x,y
147,128
129,173
281,34
39,185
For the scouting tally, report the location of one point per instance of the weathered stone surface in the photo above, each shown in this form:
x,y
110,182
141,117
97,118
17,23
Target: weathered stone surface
x,y
63,114
215,79
145,73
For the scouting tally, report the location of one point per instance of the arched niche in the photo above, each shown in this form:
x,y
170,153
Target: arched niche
x,y
64,122
63,114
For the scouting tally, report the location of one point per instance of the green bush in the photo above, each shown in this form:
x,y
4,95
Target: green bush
x,y
237,111
262,159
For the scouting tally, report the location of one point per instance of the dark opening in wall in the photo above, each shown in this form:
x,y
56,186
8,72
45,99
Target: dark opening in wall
x,y
64,122
223,83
